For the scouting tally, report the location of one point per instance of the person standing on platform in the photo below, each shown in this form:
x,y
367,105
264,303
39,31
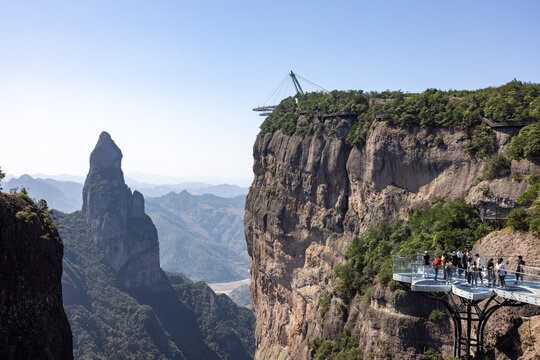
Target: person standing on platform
x,y
455,262
464,263
471,273
519,270
460,264
436,266
444,260
426,264
448,269
491,273
478,264
502,273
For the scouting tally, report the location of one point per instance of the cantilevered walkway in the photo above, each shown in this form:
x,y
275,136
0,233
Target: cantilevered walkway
x,y
470,308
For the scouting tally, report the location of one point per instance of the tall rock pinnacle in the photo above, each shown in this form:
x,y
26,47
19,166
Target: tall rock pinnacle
x,y
117,220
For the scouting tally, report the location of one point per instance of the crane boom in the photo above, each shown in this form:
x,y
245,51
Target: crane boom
x,y
269,106
296,83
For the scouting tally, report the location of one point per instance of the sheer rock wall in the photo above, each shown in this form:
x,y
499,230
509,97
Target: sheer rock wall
x,y
311,196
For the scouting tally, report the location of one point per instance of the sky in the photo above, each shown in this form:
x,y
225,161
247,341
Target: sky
x,y
174,82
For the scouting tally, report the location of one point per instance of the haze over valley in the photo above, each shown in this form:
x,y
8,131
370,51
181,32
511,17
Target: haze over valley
x,y
232,180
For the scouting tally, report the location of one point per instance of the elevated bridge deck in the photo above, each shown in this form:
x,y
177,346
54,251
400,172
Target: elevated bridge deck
x,y
470,303
526,291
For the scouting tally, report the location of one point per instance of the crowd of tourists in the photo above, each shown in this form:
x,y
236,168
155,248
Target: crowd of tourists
x,y
462,264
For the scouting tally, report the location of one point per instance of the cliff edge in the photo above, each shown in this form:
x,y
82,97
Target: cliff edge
x,y
312,195
33,324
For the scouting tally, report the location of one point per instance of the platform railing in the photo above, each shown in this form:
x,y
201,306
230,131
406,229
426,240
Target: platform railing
x,y
402,264
529,277
413,267
462,291
419,271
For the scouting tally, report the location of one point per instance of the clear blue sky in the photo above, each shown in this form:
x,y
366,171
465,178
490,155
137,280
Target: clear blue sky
x,y
174,81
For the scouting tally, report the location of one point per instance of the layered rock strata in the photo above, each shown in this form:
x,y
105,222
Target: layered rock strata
x,y
311,196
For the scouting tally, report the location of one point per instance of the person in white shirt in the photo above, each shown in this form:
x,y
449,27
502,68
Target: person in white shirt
x,y
460,264
501,272
478,263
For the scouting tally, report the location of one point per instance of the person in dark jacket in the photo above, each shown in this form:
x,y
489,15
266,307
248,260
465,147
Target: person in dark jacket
x,y
491,273
464,263
519,270
426,264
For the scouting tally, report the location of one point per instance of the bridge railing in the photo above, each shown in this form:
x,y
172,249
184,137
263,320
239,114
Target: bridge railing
x,y
530,276
411,268
402,264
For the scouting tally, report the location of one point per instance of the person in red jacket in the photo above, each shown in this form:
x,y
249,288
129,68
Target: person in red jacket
x,y
436,266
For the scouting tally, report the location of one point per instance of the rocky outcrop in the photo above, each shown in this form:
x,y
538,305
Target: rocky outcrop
x,y
33,324
495,198
510,243
521,341
117,220
311,196
513,332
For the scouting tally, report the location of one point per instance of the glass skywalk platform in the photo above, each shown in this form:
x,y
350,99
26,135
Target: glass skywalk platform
x,y
410,269
471,307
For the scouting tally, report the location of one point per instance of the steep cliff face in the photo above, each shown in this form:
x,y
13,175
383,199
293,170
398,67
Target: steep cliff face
x,y
33,324
311,196
117,220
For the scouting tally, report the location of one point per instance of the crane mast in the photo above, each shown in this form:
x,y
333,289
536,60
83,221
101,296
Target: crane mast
x,y
268,106
296,83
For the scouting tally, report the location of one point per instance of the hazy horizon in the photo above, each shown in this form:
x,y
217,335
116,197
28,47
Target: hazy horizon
x,y
143,178
174,83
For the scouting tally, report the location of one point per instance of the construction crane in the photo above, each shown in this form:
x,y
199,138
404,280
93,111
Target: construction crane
x,y
282,91
296,83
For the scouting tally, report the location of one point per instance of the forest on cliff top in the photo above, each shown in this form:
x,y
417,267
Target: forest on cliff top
x,y
515,101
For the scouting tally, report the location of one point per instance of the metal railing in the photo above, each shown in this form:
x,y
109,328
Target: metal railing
x,y
413,267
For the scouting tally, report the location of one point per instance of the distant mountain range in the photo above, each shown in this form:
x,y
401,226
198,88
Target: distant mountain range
x,y
194,188
201,230
63,192
201,236
65,196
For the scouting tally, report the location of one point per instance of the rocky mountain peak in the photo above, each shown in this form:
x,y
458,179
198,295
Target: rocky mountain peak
x,y
117,220
106,154
137,204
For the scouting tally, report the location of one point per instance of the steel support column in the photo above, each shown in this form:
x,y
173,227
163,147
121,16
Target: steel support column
x,y
464,314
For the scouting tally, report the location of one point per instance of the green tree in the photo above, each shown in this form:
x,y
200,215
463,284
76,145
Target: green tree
x,y
518,219
495,167
526,145
2,176
446,225
482,142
